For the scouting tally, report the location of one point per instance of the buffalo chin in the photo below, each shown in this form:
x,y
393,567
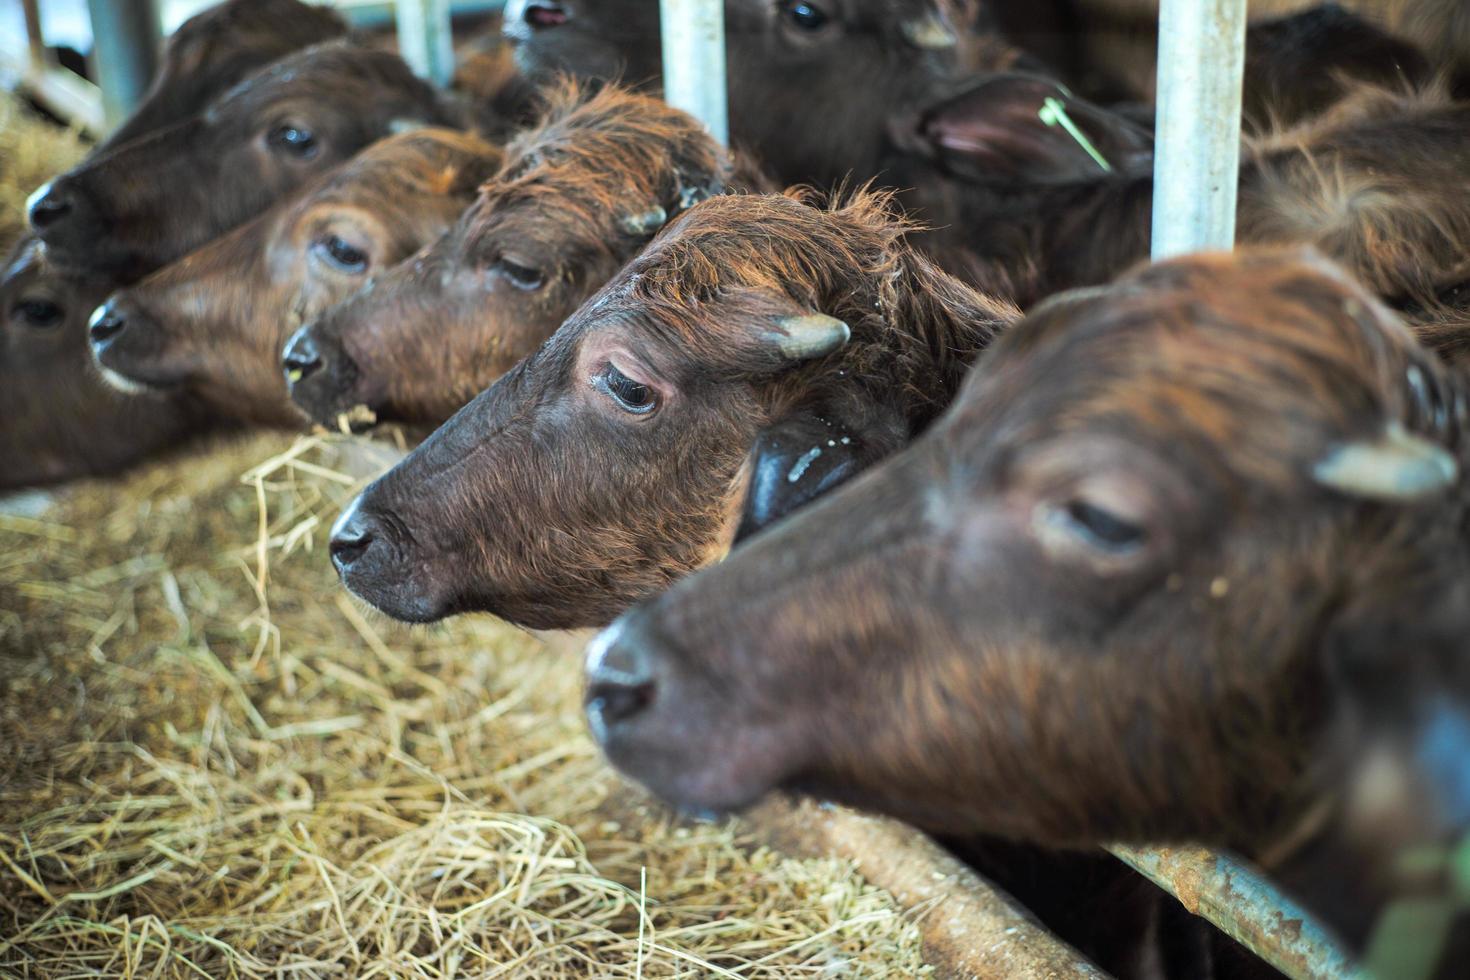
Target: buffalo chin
x,y
396,600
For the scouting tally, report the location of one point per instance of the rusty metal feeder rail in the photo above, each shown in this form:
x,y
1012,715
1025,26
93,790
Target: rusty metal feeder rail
x,y
1245,907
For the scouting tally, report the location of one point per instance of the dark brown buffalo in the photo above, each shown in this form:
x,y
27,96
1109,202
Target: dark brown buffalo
x,y
151,200
59,420
1176,538
812,83
1119,38
208,54
214,322
218,47
580,194
1376,184
617,457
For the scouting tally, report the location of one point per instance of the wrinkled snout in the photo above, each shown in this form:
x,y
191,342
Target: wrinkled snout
x,y
374,557
128,345
322,377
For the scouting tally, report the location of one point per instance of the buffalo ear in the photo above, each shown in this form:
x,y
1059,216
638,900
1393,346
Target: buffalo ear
x,y
1027,127
798,459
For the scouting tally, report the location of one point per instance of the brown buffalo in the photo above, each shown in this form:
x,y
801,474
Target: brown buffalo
x,y
812,83
1121,591
1119,38
208,54
60,420
581,192
1376,184
218,47
617,457
156,198
214,322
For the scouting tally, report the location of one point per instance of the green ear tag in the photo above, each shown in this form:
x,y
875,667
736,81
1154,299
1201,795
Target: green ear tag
x,y
1054,113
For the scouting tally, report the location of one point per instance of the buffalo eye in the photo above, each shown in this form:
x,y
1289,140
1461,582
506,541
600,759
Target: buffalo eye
x,y
37,313
632,396
344,256
1098,528
805,15
296,140
520,276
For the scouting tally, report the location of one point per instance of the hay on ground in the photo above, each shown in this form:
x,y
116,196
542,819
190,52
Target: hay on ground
x,y
32,151
215,764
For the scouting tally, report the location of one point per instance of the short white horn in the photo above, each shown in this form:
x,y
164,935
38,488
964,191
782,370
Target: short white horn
x,y
801,338
1397,466
929,33
644,224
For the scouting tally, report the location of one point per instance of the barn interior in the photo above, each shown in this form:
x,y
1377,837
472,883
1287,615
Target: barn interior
x,y
218,761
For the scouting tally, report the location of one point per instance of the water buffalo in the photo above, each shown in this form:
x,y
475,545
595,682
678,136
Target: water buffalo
x,y
1119,38
61,421
214,322
811,82
151,200
1376,183
580,193
617,457
217,48
208,54
1174,538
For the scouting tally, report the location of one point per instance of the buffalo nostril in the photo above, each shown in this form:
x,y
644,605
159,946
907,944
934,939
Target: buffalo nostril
x,y
47,206
618,702
620,683
301,359
545,13
105,324
352,536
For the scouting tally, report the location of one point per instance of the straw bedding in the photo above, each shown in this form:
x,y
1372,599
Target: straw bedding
x,y
215,764
31,152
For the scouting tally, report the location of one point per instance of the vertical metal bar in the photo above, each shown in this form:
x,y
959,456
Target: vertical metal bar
x,y
1197,156
125,40
694,61
34,35
425,38
1245,907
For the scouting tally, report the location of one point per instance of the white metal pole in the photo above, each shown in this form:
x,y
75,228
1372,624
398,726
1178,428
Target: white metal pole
x,y
1197,138
424,38
125,42
694,61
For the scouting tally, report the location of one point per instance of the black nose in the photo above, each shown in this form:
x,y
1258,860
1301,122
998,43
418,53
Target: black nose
x,y
49,205
352,536
301,359
107,322
620,682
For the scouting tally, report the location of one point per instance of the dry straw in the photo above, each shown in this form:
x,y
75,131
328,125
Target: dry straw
x,y
216,765
32,151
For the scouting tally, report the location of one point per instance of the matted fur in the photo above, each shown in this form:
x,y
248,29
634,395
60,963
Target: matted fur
x,y
579,194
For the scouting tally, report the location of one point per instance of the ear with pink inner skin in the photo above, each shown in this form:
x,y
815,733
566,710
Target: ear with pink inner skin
x,y
1026,127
